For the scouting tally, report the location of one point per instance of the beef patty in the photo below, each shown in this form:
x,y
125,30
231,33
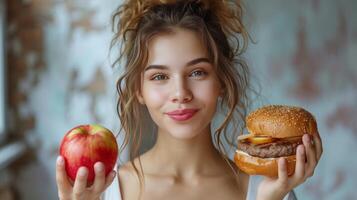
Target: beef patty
x,y
275,149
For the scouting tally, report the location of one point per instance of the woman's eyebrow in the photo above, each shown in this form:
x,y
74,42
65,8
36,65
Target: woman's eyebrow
x,y
192,62
198,60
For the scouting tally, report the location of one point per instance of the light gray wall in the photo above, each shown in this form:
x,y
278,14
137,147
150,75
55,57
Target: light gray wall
x,y
2,68
305,54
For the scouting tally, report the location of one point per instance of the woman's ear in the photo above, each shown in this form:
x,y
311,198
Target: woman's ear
x,y
140,98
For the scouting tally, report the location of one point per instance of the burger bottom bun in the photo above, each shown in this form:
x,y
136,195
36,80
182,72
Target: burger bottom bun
x,y
262,166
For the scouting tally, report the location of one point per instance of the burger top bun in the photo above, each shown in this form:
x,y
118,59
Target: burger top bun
x,y
281,121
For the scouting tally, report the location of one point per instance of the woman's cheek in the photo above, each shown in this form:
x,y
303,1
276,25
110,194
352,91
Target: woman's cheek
x,y
154,95
209,93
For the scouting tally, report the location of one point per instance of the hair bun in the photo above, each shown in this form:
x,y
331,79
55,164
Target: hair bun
x,y
228,13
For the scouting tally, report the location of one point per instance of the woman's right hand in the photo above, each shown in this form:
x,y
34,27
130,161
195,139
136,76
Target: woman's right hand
x,y
79,190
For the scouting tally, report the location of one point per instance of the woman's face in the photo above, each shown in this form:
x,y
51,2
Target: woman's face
x,y
179,85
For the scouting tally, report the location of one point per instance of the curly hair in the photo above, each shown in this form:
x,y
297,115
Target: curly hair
x,y
224,36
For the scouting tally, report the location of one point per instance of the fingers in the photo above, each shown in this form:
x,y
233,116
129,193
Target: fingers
x,y
282,171
310,155
80,189
307,157
99,180
63,185
318,145
111,176
80,183
300,164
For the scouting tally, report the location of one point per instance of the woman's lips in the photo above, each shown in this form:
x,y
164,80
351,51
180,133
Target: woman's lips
x,y
182,115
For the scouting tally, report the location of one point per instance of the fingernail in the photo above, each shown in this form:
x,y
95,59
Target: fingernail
x,y
301,150
98,166
82,171
59,160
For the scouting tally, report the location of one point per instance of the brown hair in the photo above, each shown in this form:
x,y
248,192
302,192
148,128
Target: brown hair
x,y
220,25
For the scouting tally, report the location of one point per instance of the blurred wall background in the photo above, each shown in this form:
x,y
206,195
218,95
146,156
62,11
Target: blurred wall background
x,y
305,54
59,76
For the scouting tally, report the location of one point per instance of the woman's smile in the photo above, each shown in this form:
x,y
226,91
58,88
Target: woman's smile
x,y
182,115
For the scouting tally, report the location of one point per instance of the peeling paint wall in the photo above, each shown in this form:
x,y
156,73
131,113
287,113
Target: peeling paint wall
x,y
305,54
59,76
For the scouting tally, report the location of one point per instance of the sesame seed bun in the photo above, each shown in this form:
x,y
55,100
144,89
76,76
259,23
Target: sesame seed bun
x,y
279,122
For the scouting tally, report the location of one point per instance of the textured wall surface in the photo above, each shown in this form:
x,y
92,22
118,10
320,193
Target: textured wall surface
x,y
59,76
305,54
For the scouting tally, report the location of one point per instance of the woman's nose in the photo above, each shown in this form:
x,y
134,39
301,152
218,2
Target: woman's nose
x,y
182,93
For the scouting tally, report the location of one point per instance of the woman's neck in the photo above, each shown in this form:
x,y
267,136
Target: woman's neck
x,y
184,157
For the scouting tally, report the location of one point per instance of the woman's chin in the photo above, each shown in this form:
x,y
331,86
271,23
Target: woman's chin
x,y
184,133
183,136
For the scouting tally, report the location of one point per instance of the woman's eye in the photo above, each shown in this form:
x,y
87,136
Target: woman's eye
x,y
198,73
159,77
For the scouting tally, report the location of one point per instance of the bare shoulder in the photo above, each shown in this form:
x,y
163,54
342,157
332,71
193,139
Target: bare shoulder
x,y
243,178
128,172
233,183
128,181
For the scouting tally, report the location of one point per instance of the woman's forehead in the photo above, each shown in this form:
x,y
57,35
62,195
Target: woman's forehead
x,y
179,47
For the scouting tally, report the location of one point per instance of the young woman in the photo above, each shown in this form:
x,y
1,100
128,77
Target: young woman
x,y
183,67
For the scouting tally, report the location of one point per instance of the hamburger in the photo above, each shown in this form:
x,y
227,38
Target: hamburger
x,y
274,131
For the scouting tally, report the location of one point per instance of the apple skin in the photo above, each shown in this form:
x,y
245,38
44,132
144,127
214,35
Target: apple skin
x,y
85,145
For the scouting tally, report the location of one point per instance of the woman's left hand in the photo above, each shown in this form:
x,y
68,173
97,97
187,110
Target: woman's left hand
x,y
308,155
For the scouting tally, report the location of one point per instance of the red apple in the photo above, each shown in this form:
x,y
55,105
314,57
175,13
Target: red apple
x,y
85,145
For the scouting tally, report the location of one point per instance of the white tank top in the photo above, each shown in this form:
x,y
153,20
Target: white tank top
x,y
113,191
